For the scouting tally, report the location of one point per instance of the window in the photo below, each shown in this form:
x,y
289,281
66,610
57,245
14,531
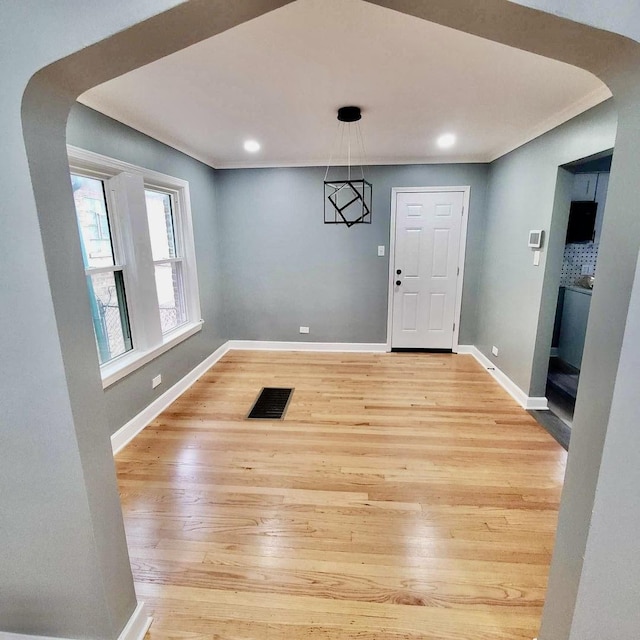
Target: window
x,y
139,260
167,259
103,268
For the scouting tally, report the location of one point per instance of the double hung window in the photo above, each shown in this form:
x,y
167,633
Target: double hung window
x,y
167,259
139,259
103,265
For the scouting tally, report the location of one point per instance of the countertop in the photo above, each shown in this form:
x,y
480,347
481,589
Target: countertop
x,y
587,292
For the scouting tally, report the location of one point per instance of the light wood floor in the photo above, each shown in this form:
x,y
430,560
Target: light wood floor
x,y
404,496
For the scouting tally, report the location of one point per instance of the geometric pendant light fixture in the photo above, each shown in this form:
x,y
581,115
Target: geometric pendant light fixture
x,y
347,195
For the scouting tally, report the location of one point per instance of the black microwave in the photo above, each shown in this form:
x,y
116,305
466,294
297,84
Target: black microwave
x,y
582,221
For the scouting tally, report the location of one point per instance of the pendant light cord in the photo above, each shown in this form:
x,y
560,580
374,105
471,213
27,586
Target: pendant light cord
x,y
360,138
339,131
359,141
349,155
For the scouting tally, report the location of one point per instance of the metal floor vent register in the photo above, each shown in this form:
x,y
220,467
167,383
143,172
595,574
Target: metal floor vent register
x,y
271,404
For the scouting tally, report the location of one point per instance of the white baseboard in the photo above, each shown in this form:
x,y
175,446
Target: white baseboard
x,y
135,629
138,624
530,403
130,430
537,403
344,347
125,434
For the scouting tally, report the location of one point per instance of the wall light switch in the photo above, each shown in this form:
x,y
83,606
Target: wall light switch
x,y
380,250
156,381
304,329
536,258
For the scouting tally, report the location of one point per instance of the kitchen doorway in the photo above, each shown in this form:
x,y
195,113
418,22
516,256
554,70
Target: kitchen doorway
x,y
579,274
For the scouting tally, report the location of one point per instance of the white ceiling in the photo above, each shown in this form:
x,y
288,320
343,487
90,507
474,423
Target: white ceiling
x,y
280,78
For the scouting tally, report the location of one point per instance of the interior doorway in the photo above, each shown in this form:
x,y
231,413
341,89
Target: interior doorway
x,y
579,274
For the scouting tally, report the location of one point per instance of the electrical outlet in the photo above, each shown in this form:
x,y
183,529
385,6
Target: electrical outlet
x,y
494,350
156,381
304,329
381,250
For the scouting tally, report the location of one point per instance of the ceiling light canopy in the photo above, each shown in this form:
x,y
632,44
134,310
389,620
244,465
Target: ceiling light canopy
x,y
349,114
446,140
252,146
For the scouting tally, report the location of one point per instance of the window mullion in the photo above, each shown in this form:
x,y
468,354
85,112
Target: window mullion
x,y
128,192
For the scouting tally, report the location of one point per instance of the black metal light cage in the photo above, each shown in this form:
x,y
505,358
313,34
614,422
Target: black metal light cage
x,y
347,202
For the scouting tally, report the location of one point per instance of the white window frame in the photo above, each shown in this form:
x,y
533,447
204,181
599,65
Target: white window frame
x,y
179,241
124,187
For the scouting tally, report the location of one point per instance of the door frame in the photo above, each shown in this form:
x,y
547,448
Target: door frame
x,y
461,254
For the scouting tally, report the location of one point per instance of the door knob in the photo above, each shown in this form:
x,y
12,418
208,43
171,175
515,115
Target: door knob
x,y
399,271
398,282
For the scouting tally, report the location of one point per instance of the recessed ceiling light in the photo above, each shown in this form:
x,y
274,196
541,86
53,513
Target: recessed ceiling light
x,y
447,140
251,146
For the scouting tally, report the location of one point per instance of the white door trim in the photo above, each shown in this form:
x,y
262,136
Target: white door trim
x,y
392,253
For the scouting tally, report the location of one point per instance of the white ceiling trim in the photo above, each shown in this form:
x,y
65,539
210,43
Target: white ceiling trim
x,y
588,102
371,162
591,100
249,164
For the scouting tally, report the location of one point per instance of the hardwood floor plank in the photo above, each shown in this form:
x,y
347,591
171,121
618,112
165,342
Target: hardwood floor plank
x,y
403,497
439,622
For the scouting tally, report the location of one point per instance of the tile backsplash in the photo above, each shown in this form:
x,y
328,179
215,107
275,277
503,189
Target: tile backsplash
x,y
575,256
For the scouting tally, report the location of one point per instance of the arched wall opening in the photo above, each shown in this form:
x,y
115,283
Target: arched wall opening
x,y
45,107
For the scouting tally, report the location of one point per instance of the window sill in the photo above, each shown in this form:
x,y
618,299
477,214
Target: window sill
x,y
129,362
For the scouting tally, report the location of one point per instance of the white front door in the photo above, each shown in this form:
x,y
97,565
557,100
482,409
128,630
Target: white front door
x,y
425,271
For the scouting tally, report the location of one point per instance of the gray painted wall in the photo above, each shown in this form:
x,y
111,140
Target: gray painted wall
x,y
608,316
619,16
93,131
64,565
65,570
611,556
285,268
523,196
555,244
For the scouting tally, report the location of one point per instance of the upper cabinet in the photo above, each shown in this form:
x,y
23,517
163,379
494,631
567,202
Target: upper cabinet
x,y
584,186
592,187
